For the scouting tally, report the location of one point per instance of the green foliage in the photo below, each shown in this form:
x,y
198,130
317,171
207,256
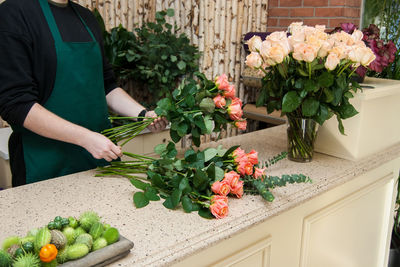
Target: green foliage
x,y
154,55
308,90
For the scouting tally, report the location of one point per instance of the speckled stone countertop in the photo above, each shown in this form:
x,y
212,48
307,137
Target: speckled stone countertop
x,y
162,236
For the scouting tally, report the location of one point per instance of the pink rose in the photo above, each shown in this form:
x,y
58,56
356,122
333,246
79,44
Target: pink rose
x,y
219,101
238,190
241,124
221,188
230,92
222,82
304,52
332,61
253,156
219,209
259,173
231,178
216,198
235,110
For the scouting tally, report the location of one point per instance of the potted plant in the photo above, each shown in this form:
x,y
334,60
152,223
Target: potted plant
x,y
307,76
150,61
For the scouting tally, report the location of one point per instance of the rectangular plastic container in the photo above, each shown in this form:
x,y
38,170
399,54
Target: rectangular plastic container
x,y
376,127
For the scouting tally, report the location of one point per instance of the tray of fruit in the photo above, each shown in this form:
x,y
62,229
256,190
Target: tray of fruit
x,y
66,242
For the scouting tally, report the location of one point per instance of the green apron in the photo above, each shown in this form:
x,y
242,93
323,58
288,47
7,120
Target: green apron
x,y
79,97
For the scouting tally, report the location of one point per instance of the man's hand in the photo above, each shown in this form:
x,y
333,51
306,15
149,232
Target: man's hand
x,y
101,147
159,124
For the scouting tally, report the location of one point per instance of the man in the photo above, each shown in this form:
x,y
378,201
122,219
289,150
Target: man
x,y
55,86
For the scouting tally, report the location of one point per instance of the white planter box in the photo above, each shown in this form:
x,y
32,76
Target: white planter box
x,y
376,127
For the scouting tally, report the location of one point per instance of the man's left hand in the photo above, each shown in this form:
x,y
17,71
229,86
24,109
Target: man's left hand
x,y
159,124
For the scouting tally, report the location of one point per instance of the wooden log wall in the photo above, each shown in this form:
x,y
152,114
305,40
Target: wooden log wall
x,y
216,27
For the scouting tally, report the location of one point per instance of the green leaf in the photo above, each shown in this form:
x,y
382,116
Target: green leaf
x,y
209,124
174,136
182,129
151,194
160,148
168,203
262,96
326,79
206,213
263,190
215,173
207,105
230,150
310,107
173,58
302,72
322,115
310,86
200,180
176,197
347,111
340,125
210,153
187,204
140,200
157,180
298,84
181,65
164,104
178,165
190,155
184,186
328,95
190,101
139,184
164,57
290,101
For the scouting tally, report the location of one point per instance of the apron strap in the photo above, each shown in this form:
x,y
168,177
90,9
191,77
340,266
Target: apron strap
x,y
52,22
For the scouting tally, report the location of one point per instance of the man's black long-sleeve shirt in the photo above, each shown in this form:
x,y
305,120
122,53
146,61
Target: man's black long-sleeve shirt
x,y
28,62
28,57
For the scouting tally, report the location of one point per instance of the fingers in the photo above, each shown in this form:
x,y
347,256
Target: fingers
x,y
158,124
102,148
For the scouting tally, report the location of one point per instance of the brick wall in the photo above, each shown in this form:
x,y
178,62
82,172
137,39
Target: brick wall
x,y
326,12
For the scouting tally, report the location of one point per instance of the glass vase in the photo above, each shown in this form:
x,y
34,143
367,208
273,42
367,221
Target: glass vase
x,y
301,135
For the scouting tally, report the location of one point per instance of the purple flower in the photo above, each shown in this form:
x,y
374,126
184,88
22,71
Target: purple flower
x,y
348,27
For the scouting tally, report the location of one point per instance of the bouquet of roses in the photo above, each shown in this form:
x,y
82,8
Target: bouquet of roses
x,y
308,71
196,107
200,181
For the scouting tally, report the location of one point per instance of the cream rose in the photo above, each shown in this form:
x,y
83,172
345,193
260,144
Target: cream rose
x,y
254,43
280,38
332,61
362,55
254,60
294,27
357,36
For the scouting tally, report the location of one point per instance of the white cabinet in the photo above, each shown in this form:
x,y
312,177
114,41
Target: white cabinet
x,y
348,226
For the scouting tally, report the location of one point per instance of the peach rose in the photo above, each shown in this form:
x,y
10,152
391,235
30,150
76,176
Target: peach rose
x,y
254,60
332,61
245,167
219,209
241,124
362,55
238,154
235,110
304,52
326,46
295,27
276,54
279,38
220,188
258,172
222,82
296,38
238,190
357,36
254,43
265,46
340,51
229,92
231,178
219,101
215,198
253,156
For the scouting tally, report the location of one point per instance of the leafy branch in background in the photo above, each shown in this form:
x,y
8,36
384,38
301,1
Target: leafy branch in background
x,y
154,55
